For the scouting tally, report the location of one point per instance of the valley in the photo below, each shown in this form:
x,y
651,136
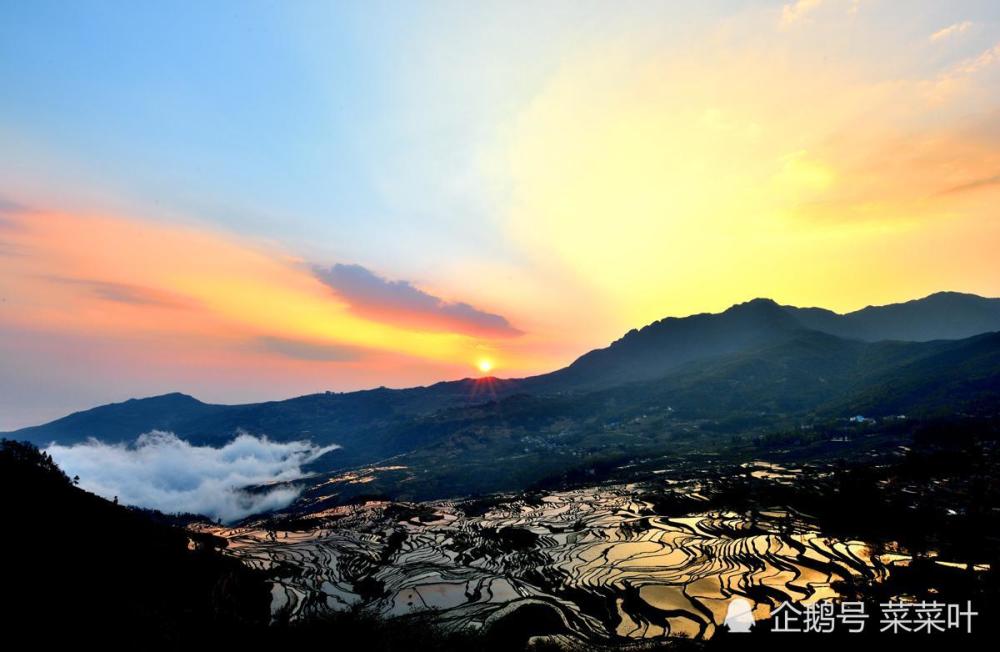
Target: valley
x,y
769,454
597,565
659,556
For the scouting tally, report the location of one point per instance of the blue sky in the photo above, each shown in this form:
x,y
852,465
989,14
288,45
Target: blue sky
x,y
325,124
319,123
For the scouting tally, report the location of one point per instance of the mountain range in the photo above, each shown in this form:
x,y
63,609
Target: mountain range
x,y
654,350
755,362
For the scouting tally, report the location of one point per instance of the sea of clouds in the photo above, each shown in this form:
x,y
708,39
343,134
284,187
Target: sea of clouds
x,y
161,471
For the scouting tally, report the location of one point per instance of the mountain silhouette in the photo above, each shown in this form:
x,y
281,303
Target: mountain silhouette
x,y
936,353
656,349
662,346
940,316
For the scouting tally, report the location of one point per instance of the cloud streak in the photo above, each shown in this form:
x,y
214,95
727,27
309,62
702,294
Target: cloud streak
x,y
161,471
10,206
128,293
310,351
973,185
107,306
951,30
983,60
795,12
375,297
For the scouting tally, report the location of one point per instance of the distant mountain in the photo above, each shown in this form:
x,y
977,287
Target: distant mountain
x,y
755,357
816,373
656,349
941,316
121,421
809,379
357,421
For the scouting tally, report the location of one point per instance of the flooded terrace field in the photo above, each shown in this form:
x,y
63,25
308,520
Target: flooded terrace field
x,y
594,564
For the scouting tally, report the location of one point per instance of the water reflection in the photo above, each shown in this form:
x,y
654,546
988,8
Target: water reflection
x,y
602,559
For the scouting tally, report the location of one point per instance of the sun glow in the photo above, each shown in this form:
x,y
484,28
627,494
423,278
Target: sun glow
x,y
485,365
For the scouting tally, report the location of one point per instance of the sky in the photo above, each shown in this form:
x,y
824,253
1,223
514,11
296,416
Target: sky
x,y
254,200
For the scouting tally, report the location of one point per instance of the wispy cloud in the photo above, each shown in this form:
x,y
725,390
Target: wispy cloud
x,y
375,297
127,293
795,12
161,471
960,77
95,275
10,206
950,31
984,59
973,185
306,350
107,307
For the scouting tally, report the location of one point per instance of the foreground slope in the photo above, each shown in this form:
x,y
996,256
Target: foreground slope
x,y
83,569
84,573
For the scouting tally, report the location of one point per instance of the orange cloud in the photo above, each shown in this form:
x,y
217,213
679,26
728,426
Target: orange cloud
x,y
372,296
951,30
205,298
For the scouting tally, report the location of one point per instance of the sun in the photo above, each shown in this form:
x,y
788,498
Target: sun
x,y
485,365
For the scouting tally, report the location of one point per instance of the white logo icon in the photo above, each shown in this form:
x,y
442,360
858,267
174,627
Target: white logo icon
x,y
739,616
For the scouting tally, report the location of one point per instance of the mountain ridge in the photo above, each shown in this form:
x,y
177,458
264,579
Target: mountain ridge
x,y
700,348
941,315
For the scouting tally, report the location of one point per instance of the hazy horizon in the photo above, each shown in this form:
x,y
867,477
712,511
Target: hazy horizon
x,y
482,372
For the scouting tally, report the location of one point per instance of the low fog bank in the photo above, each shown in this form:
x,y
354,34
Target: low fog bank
x,y
161,471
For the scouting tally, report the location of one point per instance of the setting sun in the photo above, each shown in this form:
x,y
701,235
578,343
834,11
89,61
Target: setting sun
x,y
485,365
